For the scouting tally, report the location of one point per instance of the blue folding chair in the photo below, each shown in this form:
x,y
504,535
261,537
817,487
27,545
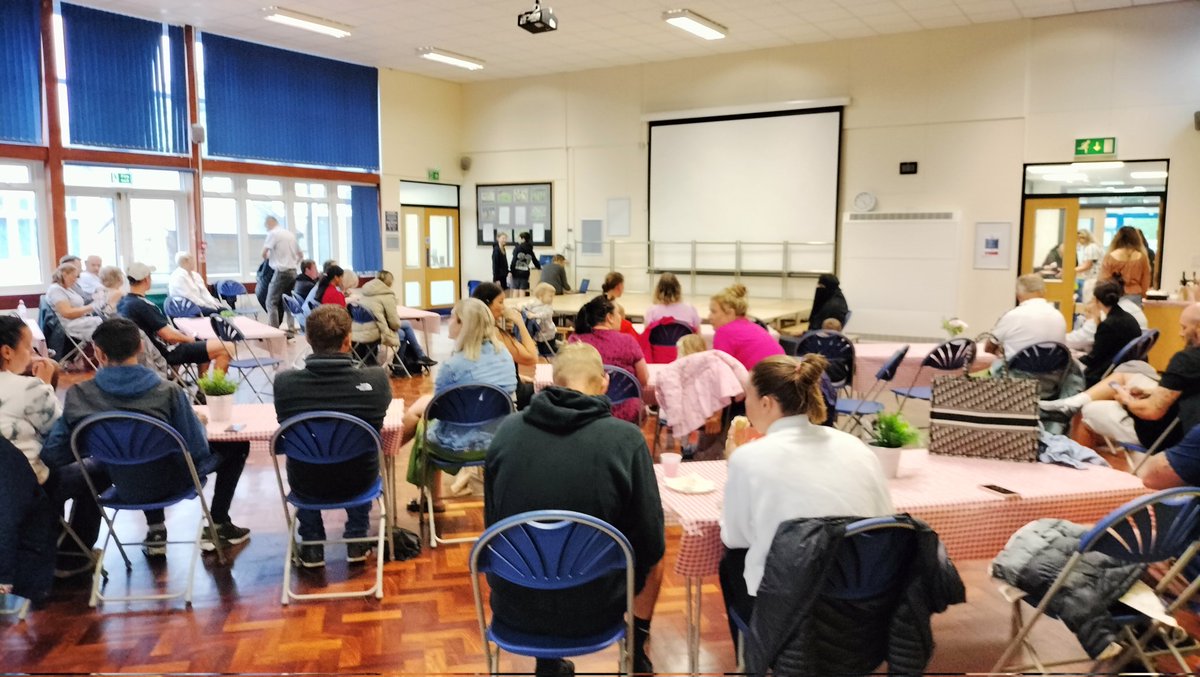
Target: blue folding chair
x,y
472,412
295,305
324,438
228,332
1161,527
545,348
952,355
229,291
1046,361
552,550
367,354
869,405
833,346
1135,350
123,441
622,385
177,306
871,563
664,338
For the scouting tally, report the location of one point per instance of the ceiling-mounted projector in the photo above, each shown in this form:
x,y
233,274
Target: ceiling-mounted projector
x,y
538,20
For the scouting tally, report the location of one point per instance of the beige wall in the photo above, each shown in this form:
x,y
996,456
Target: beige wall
x,y
969,104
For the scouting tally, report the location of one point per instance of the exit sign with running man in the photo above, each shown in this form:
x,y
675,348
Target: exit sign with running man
x,y
1096,148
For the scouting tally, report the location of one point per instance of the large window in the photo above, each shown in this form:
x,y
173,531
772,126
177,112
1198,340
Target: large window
x,y
20,229
236,207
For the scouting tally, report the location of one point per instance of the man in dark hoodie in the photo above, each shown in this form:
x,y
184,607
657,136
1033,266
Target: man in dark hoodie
x,y
329,381
567,452
122,384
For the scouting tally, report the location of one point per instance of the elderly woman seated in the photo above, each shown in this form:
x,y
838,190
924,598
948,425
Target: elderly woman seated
x,y
112,288
186,283
79,316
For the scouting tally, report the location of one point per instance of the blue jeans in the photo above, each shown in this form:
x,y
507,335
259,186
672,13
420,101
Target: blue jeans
x,y
408,335
312,527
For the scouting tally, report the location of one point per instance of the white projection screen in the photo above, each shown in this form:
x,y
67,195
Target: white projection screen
x,y
762,178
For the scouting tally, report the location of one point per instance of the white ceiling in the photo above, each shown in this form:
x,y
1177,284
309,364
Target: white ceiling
x,y
591,34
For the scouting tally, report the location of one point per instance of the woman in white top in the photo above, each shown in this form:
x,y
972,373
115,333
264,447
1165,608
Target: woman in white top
x,y
28,407
186,283
79,316
668,302
799,469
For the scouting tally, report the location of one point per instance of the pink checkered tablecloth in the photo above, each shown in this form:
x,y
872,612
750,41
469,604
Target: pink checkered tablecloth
x,y
260,424
973,523
869,357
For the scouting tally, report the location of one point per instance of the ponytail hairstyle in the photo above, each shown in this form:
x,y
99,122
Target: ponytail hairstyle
x,y
332,272
794,382
733,299
11,330
592,313
1109,292
612,281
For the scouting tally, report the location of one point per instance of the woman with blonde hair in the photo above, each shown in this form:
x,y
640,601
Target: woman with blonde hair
x,y
112,288
79,316
541,311
668,302
1128,256
799,469
735,334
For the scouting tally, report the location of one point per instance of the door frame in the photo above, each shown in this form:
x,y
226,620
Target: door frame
x,y
421,208
123,216
1027,260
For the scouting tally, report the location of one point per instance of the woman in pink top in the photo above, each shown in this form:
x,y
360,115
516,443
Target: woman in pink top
x,y
598,325
668,302
747,342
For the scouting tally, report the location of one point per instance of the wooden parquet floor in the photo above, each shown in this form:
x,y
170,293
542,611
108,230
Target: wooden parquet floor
x,y
425,624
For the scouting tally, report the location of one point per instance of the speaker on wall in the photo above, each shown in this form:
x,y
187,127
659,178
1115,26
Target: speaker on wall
x,y
198,133
464,162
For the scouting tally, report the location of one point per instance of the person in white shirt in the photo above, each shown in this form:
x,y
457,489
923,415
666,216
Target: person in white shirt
x,y
799,469
89,279
1034,320
186,283
282,252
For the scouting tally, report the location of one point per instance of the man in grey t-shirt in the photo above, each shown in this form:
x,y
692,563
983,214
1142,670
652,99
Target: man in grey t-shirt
x,y
554,273
282,252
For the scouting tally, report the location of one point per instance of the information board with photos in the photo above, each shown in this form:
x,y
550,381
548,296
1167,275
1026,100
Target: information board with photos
x,y
515,208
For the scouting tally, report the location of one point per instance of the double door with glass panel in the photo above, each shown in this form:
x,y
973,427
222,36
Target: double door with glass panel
x,y
124,226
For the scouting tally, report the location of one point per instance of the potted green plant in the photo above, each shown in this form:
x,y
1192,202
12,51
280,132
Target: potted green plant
x,y
890,435
218,392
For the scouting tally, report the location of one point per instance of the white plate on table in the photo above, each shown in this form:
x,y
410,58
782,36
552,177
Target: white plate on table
x,y
690,484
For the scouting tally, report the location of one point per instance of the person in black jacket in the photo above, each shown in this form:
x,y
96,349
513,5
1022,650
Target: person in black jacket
x,y
307,279
1113,333
567,452
828,302
27,529
522,259
500,261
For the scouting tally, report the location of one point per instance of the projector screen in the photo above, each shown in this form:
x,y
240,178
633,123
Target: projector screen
x,y
764,178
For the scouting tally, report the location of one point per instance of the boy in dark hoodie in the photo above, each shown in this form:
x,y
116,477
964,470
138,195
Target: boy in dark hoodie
x,y
567,452
123,385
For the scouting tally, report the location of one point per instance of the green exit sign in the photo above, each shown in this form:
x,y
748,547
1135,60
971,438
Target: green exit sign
x,y
434,174
1091,148
122,177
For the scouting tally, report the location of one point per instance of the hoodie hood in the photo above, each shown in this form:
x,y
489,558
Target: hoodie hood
x,y
376,288
127,381
561,410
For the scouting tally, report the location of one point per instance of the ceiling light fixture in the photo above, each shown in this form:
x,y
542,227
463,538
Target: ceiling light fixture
x,y
695,24
1147,175
1066,177
308,22
1096,165
1045,169
450,58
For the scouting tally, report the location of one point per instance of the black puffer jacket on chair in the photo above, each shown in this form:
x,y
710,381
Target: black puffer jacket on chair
x,y
797,631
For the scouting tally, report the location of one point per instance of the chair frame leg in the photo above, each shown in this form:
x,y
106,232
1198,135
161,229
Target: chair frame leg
x,y
376,589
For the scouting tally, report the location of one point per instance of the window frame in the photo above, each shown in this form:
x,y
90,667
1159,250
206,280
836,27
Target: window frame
x,y
41,209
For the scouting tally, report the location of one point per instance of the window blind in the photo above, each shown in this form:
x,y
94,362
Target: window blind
x,y
20,71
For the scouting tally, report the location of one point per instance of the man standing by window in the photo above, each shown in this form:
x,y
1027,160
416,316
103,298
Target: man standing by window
x,y
282,253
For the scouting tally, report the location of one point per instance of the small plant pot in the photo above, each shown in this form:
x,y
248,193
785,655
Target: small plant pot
x,y
889,460
220,408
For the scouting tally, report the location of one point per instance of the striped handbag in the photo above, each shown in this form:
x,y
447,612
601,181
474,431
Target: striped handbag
x,y
984,418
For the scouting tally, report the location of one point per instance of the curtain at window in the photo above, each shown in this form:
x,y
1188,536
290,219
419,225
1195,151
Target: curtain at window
x,y
20,71
263,103
367,248
126,82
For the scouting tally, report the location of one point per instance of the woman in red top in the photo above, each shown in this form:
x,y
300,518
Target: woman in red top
x,y
613,288
597,325
329,288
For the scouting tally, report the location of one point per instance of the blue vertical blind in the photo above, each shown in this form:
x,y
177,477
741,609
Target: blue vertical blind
x,y
20,71
263,103
367,250
126,82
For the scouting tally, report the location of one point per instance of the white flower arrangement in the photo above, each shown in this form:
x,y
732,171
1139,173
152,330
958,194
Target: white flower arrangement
x,y
954,326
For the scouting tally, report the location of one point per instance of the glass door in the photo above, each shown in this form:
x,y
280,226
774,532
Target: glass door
x,y
1048,237
155,236
92,227
441,257
121,228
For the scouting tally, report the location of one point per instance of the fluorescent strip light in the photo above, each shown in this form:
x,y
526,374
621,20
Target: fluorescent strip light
x,y
1067,177
450,58
1148,175
1112,183
695,24
1044,169
308,22
1096,165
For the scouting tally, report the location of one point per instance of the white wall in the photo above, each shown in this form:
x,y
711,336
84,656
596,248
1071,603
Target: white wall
x,y
969,104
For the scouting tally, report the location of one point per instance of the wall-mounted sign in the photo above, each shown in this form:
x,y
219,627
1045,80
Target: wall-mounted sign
x,y
1096,148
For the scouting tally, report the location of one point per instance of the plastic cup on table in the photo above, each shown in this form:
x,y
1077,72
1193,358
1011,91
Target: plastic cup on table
x,y
670,464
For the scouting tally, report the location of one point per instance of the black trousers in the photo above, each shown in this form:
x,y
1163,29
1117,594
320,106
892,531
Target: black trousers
x,y
228,460
733,588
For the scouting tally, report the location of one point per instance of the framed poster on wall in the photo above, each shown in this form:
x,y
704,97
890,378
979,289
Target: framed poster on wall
x,y
993,241
515,208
